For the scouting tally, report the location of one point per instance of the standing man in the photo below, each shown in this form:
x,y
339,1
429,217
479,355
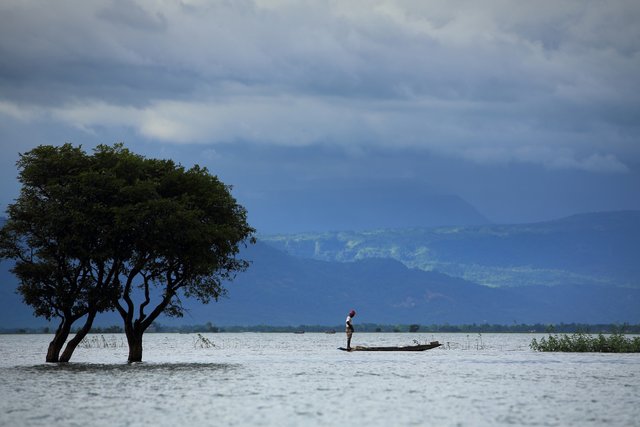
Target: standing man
x,y
349,328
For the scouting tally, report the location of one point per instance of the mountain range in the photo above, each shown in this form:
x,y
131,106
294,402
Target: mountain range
x,y
316,279
594,248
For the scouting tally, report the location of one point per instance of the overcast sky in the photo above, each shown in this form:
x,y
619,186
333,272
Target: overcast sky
x,y
526,110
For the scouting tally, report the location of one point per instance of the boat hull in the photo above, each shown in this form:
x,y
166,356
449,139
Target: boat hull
x,y
420,347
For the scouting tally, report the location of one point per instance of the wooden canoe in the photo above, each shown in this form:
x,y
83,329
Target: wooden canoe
x,y
419,347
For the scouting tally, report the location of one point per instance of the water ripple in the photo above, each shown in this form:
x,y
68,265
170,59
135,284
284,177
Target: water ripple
x,y
290,380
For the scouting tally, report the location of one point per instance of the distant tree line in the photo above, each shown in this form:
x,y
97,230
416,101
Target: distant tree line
x,y
584,328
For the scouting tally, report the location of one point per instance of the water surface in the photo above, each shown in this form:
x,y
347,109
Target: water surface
x,y
302,379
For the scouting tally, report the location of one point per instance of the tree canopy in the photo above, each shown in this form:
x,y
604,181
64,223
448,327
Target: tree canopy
x,y
91,233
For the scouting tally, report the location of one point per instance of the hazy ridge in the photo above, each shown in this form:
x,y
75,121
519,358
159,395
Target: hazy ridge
x,y
594,248
358,270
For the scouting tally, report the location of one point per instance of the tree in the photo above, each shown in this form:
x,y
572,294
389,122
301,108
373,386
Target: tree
x,y
184,229
91,233
58,232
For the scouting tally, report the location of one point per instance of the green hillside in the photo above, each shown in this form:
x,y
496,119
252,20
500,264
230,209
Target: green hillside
x,y
596,248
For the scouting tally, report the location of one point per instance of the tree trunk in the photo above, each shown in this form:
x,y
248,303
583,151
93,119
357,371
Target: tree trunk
x,y
134,339
55,346
134,329
73,343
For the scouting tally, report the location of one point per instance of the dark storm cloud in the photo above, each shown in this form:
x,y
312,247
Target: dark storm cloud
x,y
548,84
373,63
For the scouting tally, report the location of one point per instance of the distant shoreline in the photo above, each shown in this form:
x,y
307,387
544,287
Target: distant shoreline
x,y
366,328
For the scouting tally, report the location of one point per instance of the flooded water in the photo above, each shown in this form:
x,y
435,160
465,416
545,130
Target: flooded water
x,y
302,379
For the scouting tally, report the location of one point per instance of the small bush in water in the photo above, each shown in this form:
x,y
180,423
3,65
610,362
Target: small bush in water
x,y
203,342
101,342
580,342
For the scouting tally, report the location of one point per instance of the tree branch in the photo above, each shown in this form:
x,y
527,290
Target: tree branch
x,y
120,309
147,299
157,311
127,297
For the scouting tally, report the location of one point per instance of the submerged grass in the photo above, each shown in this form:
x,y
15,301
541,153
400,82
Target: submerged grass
x,y
101,342
581,342
203,342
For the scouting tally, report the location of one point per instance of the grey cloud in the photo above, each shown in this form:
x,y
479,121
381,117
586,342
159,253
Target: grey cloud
x,y
303,48
554,83
129,14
